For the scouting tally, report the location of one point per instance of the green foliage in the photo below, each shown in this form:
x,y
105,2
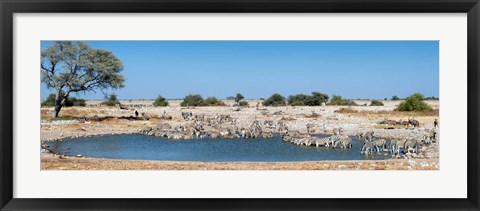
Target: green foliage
x,y
160,101
111,100
414,103
315,99
395,97
297,100
50,101
74,102
338,100
275,100
243,103
192,100
238,97
376,103
73,66
296,103
212,101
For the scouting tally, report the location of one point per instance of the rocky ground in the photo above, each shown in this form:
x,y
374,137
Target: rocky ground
x,y
98,120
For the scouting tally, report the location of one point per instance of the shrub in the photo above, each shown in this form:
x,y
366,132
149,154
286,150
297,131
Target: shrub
x,y
111,100
395,97
414,103
238,97
212,101
275,100
243,103
338,100
74,102
297,103
376,103
297,99
315,99
69,102
346,110
50,101
192,100
431,98
160,101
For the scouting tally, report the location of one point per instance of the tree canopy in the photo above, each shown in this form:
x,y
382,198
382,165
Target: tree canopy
x,y
239,97
160,101
275,100
414,103
73,66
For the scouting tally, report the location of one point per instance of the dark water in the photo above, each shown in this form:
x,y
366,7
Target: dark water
x,y
141,147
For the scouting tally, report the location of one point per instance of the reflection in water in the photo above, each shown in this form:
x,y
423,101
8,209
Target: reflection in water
x,y
141,147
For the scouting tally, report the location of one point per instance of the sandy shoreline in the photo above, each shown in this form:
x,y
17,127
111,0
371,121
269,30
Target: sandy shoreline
x,y
296,117
53,162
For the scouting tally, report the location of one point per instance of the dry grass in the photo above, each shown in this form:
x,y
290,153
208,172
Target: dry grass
x,y
72,112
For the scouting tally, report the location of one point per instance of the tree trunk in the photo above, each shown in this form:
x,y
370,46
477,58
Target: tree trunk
x,y
57,109
59,102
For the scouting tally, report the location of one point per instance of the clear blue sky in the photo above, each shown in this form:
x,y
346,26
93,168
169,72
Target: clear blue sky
x,y
257,69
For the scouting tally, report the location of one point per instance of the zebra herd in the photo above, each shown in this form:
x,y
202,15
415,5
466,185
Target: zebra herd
x,y
393,146
370,145
333,141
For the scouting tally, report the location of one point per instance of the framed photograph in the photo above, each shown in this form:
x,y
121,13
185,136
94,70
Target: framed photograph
x,y
255,105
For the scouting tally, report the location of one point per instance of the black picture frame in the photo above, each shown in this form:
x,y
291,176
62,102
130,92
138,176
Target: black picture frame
x,y
9,7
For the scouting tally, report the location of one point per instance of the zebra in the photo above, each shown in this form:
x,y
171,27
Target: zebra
x,y
379,144
321,142
410,144
367,148
395,146
426,139
345,142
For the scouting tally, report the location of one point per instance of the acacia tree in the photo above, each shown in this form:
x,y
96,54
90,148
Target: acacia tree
x,y
239,97
73,66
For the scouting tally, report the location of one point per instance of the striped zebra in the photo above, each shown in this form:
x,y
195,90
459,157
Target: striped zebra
x,y
396,145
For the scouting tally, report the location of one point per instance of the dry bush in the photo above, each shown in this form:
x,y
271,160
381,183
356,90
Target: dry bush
x,y
287,118
346,111
312,115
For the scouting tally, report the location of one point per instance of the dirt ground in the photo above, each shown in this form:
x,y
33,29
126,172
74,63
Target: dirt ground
x,y
325,118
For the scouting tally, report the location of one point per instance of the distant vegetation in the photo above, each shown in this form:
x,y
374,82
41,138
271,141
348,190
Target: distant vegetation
x,y
414,102
50,101
212,101
239,100
431,98
197,100
395,97
338,100
111,100
192,100
160,101
238,97
315,99
376,103
243,103
275,100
